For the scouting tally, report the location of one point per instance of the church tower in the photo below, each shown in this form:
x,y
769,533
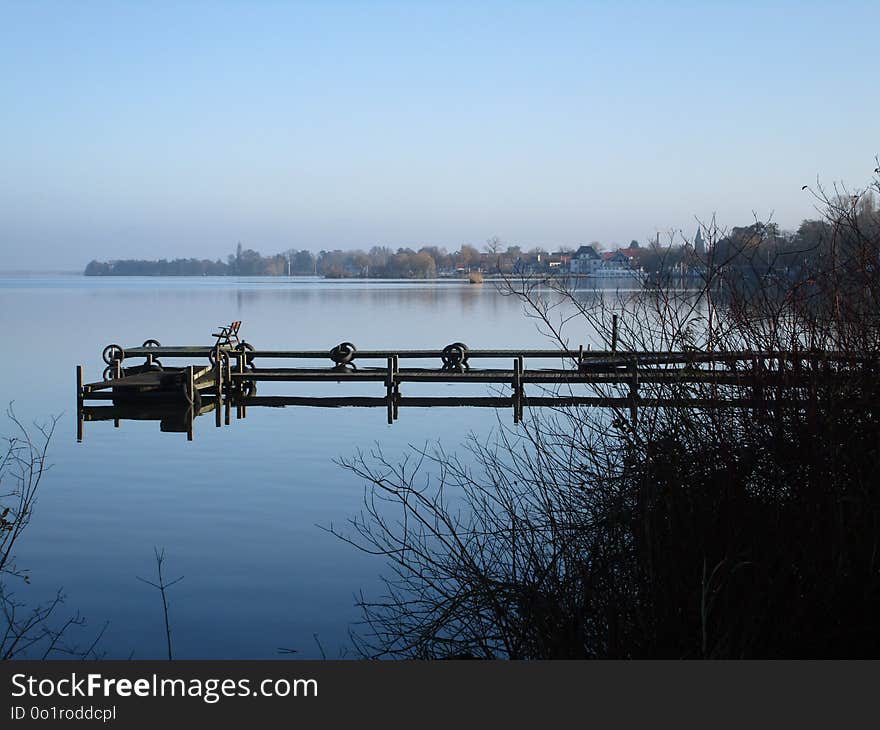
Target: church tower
x,y
699,244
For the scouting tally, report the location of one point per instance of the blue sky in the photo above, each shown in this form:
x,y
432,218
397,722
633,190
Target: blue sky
x,y
179,128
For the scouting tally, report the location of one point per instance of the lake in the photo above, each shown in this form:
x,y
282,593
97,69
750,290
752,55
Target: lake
x,y
239,510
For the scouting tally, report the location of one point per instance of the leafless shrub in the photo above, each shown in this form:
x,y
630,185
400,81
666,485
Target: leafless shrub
x,y
162,586
744,525
29,631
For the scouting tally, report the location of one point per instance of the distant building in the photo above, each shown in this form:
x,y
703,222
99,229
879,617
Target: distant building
x,y
617,264
585,261
617,259
633,255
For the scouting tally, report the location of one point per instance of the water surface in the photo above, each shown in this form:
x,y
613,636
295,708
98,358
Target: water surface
x,y
239,510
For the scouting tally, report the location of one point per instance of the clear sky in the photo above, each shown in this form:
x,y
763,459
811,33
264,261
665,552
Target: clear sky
x,y
162,129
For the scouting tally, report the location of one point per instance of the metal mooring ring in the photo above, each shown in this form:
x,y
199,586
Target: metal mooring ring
x,y
112,353
343,353
454,356
151,358
246,349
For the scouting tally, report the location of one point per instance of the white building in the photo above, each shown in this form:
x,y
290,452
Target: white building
x,y
585,260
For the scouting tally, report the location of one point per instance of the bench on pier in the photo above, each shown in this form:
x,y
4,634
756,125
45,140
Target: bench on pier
x,y
228,334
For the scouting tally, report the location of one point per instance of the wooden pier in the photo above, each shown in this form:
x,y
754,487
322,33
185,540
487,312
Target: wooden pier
x,y
226,377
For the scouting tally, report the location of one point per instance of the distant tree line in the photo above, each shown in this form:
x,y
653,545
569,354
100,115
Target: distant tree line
x,y
139,267
758,248
815,247
378,262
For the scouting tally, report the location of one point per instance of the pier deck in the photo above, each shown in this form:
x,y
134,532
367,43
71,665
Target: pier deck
x,y
228,376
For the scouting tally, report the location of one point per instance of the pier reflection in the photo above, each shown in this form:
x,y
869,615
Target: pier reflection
x,y
175,417
172,418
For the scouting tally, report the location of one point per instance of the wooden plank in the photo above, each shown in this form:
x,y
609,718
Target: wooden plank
x,y
206,377
506,402
155,379
196,351
647,356
622,375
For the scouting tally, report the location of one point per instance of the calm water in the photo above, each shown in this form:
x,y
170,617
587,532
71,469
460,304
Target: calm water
x,y
239,510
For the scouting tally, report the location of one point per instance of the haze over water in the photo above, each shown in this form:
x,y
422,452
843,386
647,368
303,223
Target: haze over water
x,y
174,129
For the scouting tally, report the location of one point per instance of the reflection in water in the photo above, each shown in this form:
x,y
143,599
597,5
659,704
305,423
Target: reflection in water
x,y
181,419
172,418
359,294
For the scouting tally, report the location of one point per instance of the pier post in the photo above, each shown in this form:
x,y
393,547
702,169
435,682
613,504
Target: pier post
x,y
190,385
79,403
240,411
634,391
614,333
389,389
218,418
191,395
517,388
522,387
757,379
396,359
